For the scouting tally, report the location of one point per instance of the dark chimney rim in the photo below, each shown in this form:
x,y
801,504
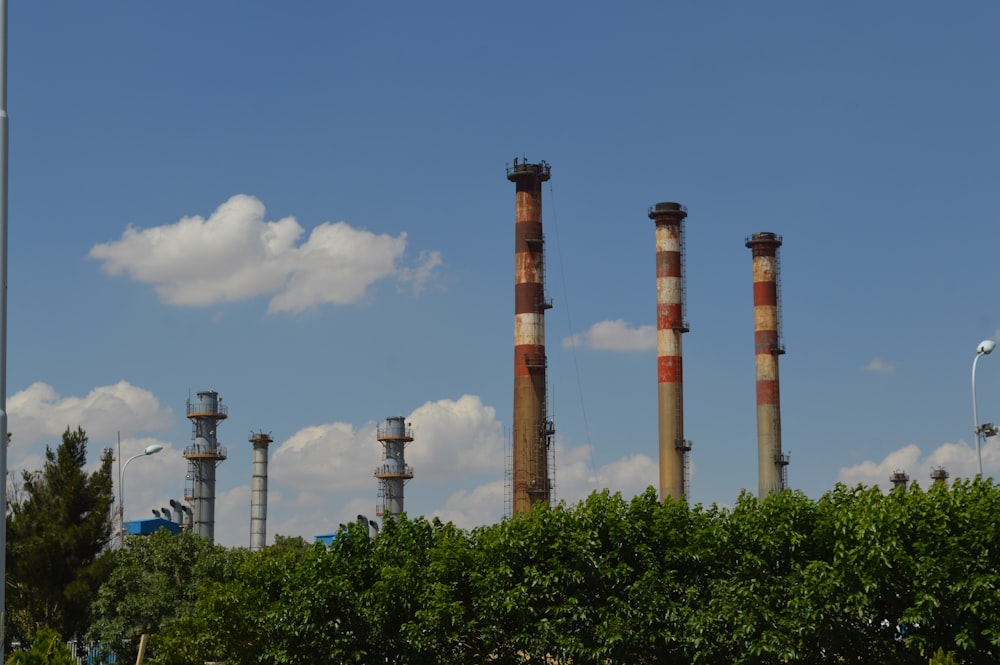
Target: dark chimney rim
x,y
764,238
667,208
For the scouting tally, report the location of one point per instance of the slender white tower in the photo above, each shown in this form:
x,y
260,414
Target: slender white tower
x,y
258,491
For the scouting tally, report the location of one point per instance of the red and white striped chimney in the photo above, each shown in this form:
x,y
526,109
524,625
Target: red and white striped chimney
x,y
532,429
771,463
670,325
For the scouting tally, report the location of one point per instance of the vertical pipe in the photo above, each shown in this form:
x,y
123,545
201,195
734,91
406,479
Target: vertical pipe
x,y
767,346
258,492
532,430
3,319
670,325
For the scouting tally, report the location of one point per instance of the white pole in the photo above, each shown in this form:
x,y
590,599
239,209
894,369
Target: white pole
x,y
3,320
985,348
975,415
150,450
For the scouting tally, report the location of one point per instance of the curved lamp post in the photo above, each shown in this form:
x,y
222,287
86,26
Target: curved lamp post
x,y
150,450
985,348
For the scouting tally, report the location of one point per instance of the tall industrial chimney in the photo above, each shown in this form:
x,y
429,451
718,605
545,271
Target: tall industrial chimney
x,y
670,325
393,473
899,478
533,430
258,491
771,463
205,413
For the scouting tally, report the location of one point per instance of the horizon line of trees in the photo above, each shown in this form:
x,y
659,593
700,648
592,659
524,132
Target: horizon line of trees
x,y
856,576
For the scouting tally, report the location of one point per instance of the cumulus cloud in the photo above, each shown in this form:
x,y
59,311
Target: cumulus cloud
x,y
615,335
328,457
958,459
469,508
235,254
577,479
39,412
871,472
323,475
456,442
419,275
150,482
450,435
880,366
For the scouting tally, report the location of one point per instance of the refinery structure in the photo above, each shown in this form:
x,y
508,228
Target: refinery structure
x,y
203,456
530,468
393,473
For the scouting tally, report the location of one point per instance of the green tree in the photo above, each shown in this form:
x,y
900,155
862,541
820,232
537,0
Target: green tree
x,y
58,533
420,602
233,618
857,576
954,536
48,648
155,580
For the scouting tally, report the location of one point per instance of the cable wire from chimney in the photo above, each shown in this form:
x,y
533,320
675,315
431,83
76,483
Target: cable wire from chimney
x,y
572,333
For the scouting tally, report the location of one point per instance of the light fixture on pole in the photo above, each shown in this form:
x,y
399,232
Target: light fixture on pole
x,y
984,349
150,450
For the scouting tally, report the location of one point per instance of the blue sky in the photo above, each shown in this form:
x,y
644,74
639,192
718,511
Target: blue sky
x,y
303,207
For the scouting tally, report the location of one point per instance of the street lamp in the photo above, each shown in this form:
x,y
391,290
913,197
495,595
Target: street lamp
x,y
985,348
150,450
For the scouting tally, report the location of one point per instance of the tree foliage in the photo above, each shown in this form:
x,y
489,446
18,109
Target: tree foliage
x,y
155,580
57,533
48,648
857,576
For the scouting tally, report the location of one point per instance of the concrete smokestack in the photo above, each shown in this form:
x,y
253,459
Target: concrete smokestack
x,y
205,413
393,473
899,478
670,325
771,463
258,491
533,430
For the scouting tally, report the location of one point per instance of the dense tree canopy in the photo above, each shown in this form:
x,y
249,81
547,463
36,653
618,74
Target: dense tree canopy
x,y
856,576
58,529
47,648
155,579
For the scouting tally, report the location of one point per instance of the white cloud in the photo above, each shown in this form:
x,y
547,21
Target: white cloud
x,y
877,473
615,335
39,412
331,456
150,481
879,365
576,478
452,435
480,505
235,254
419,275
454,440
958,459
